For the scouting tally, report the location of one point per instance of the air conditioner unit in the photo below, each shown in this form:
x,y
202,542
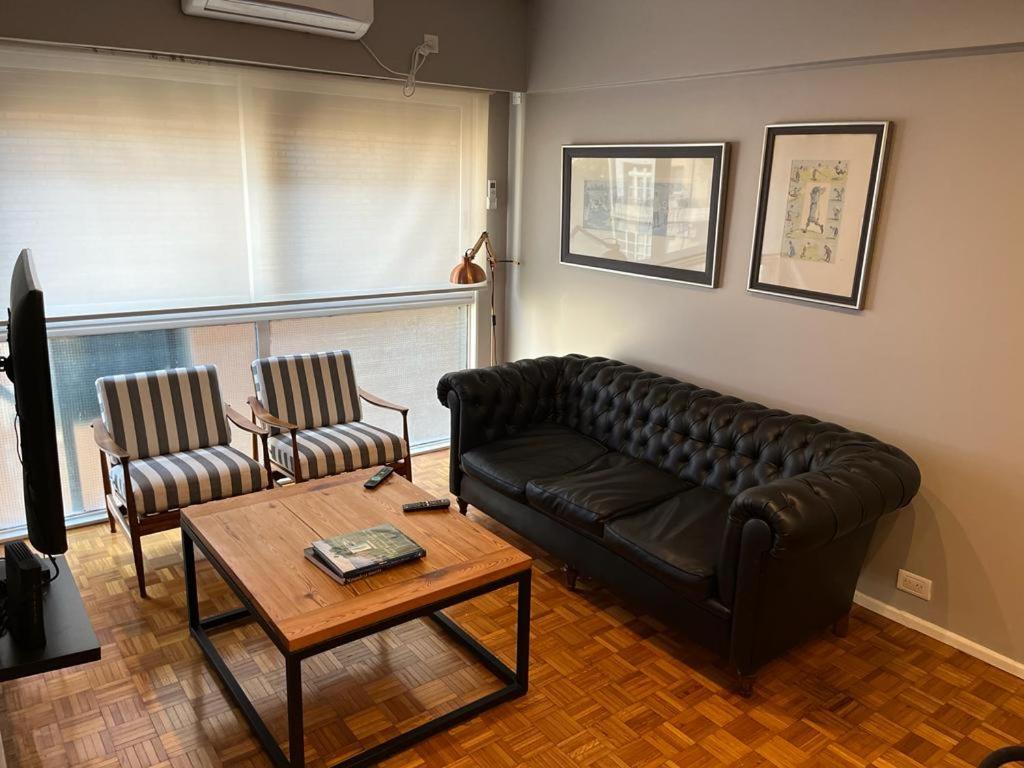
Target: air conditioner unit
x,y
339,18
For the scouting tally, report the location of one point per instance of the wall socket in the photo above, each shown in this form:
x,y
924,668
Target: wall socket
x,y
918,586
431,44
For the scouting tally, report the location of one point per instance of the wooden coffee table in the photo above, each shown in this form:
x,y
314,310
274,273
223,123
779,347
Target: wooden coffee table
x,y
255,543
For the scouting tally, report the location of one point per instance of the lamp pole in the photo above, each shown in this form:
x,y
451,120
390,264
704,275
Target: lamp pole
x,y
469,273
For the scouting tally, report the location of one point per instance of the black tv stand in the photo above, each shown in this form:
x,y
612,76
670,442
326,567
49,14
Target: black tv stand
x,y
70,639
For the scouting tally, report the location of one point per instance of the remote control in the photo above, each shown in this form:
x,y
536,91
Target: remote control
x,y
378,478
417,506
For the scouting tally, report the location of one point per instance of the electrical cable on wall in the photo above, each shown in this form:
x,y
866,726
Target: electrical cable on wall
x,y
420,54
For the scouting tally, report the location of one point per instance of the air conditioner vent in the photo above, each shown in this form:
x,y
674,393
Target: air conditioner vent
x,y
339,18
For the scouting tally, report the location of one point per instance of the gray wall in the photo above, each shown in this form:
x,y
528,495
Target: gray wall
x,y
933,364
577,43
482,43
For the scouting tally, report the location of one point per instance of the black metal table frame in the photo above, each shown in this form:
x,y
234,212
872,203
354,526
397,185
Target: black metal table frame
x,y
516,682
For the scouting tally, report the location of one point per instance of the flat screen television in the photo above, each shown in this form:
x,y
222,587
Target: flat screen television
x,y
28,366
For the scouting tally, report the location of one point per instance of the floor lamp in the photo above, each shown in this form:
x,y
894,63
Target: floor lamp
x,y
469,273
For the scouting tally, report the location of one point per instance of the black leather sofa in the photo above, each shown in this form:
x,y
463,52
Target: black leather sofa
x,y
745,526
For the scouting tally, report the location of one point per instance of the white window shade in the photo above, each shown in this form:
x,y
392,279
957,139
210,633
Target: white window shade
x,y
127,187
143,185
351,192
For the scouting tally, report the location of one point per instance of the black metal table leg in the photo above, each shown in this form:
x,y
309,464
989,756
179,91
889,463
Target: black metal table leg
x,y
515,682
524,589
191,590
296,736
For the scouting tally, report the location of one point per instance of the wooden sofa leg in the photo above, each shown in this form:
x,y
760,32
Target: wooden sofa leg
x,y
746,685
571,575
463,506
841,627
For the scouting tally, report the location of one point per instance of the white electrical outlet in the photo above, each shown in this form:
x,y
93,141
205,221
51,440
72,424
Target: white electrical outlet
x,y
918,586
431,44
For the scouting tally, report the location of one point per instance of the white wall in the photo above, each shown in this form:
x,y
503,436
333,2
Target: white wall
x,y
933,364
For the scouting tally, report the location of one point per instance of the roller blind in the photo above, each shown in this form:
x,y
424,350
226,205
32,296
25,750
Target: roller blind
x,y
143,184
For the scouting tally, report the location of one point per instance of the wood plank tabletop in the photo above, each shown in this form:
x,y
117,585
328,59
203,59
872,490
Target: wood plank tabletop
x,y
259,540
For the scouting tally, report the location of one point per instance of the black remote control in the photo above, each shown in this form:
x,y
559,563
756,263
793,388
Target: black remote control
x,y
417,506
378,478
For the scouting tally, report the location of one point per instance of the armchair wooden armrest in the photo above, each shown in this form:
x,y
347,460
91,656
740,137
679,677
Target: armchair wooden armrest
x,y
402,409
261,413
381,402
106,443
240,421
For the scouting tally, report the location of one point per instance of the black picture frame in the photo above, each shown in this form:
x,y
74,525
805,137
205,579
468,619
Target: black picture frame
x,y
718,152
854,297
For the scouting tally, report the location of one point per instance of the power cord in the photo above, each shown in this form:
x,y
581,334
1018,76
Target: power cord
x,y
420,54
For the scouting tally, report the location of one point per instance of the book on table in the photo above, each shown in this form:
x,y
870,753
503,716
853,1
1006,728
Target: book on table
x,y
356,555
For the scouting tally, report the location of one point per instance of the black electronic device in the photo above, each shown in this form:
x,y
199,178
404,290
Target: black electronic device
x,y
28,366
419,506
382,474
26,580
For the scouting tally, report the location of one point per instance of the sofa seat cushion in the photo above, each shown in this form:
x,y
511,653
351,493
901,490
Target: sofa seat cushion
x,y
507,465
676,541
610,486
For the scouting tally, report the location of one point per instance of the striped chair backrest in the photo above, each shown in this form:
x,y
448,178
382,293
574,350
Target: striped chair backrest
x,y
313,390
160,412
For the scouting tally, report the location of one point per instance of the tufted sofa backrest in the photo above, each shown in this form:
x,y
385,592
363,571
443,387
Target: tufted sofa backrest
x,y
697,434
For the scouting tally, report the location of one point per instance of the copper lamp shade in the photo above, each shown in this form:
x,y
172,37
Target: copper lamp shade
x,y
468,272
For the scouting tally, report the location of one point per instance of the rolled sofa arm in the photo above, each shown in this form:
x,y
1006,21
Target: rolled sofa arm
x,y
858,483
487,404
493,401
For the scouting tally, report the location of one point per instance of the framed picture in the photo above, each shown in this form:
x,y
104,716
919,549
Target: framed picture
x,y
816,210
652,210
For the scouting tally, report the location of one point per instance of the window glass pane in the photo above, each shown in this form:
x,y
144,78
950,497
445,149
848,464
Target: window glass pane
x,y
398,355
12,512
127,188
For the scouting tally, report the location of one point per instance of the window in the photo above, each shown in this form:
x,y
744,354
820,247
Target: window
x,y
142,184
398,354
255,211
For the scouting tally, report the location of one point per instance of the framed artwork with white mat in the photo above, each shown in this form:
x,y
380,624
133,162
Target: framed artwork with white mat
x,y
816,210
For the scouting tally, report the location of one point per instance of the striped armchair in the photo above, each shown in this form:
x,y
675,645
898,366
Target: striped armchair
x,y
311,405
164,445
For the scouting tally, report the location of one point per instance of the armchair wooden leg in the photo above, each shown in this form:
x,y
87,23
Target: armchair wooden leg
x,y
408,446
105,473
266,460
140,569
133,529
297,466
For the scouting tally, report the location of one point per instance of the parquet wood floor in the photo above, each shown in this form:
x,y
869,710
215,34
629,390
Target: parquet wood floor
x,y
608,688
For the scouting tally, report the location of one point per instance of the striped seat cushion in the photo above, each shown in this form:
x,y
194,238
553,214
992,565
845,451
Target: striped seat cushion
x,y
158,412
313,390
338,448
178,479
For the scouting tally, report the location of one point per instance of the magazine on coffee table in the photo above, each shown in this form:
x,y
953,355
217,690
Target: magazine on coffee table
x,y
356,555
